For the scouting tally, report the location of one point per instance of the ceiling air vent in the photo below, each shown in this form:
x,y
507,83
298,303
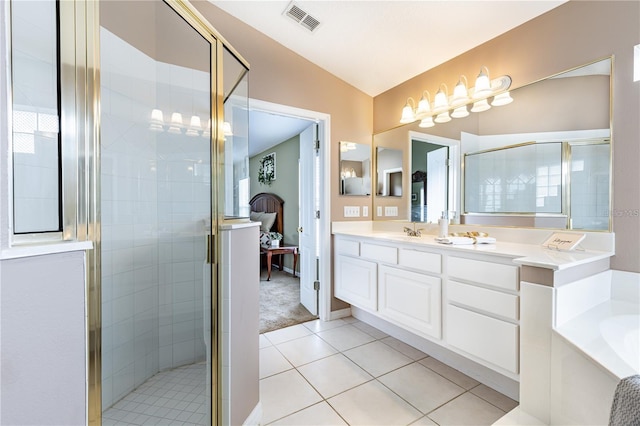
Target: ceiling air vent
x,y
301,17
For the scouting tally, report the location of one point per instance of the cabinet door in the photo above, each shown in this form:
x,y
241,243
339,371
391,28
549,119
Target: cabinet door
x,y
410,299
487,338
355,282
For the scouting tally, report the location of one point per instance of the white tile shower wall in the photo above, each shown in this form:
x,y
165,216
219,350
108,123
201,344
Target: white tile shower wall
x,y
155,189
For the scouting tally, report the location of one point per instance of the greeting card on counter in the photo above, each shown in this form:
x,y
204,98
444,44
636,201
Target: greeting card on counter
x,y
563,241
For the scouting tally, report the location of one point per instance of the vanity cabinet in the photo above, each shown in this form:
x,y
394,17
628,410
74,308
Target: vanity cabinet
x,y
355,279
482,310
468,302
410,299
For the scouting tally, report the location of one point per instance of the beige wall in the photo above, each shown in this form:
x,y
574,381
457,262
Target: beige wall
x,y
281,76
573,34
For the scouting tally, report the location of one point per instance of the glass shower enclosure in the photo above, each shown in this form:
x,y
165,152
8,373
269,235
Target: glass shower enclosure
x,y
164,124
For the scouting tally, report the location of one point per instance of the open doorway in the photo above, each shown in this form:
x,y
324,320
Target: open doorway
x,y
286,138
435,187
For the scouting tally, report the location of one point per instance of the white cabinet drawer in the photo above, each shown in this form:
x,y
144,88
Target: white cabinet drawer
x,y
488,273
410,299
356,282
495,302
428,262
348,247
487,338
379,253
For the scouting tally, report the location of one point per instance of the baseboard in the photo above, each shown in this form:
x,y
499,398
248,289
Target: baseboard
x,y
341,313
284,269
255,418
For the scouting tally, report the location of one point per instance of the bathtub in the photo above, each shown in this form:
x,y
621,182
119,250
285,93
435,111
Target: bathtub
x,y
595,343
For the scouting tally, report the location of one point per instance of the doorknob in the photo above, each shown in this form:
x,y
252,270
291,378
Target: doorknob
x,y
300,229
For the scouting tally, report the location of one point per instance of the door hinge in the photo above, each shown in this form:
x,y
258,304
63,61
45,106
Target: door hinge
x,y
448,162
317,145
317,214
316,285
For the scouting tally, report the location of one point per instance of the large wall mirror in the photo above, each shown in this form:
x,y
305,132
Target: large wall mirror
x,y
355,168
543,160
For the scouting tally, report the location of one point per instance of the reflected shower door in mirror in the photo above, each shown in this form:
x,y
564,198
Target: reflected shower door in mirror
x,y
570,107
355,168
433,183
389,172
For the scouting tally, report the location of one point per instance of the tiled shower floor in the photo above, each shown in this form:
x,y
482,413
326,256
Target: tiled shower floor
x,y
173,397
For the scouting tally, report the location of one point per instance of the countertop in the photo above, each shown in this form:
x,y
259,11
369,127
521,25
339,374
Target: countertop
x,y
521,254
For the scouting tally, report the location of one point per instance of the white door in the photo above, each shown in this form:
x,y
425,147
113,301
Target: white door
x,y
437,185
308,222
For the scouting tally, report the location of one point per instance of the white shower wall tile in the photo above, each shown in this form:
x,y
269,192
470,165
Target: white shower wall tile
x,y
149,201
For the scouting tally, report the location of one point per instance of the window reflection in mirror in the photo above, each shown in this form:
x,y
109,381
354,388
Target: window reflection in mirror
x,y
571,107
389,172
355,168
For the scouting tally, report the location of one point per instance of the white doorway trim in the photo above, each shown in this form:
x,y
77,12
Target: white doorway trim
x,y
324,121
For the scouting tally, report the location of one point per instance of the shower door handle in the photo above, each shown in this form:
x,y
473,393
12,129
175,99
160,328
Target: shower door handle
x,y
211,248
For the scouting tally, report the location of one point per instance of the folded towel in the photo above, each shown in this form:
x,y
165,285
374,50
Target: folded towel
x,y
485,240
455,240
625,410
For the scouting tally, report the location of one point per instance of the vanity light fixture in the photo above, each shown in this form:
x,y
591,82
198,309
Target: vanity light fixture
x,y
440,103
424,105
483,84
458,103
408,116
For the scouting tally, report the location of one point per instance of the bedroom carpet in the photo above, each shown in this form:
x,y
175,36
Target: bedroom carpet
x,y
280,302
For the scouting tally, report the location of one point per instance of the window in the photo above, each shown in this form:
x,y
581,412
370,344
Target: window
x,y
37,194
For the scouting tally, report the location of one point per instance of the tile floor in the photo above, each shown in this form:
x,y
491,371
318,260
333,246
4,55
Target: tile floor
x,y
342,372
173,397
345,372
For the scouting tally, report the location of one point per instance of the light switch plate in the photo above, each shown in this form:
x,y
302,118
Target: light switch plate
x,y
365,211
351,211
379,211
391,211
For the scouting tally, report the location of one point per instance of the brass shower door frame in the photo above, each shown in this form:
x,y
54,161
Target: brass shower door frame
x,y
88,36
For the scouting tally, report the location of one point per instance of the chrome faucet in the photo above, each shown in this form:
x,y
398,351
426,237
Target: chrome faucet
x,y
413,232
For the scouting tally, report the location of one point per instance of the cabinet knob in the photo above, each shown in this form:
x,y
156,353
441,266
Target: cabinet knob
x,y
300,229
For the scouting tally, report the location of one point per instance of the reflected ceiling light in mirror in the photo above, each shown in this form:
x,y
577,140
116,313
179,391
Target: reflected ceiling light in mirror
x,y
503,98
157,120
408,116
207,130
460,112
481,105
176,123
226,129
426,122
195,126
